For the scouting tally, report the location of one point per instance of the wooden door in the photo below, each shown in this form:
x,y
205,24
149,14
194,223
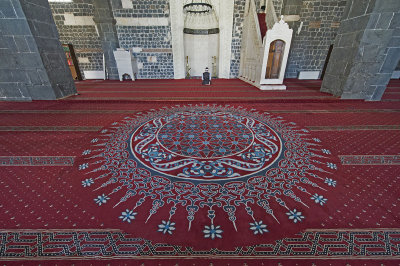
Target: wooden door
x,y
72,61
275,56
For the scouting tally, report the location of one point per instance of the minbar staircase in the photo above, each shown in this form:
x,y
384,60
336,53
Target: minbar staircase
x,y
260,31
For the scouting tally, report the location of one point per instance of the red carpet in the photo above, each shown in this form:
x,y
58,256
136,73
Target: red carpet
x,y
191,90
335,162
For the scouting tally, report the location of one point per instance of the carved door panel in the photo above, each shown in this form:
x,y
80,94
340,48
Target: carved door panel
x,y
275,56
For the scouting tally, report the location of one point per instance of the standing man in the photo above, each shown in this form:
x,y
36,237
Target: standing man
x,y
206,77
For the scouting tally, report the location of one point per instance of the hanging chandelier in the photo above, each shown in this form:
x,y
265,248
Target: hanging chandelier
x,y
197,7
200,18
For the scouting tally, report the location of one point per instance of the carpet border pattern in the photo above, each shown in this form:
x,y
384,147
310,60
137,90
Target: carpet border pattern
x,y
107,244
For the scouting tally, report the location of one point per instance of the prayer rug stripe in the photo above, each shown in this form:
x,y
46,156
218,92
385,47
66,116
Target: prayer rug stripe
x,y
370,159
203,98
197,91
354,127
48,128
69,111
135,111
37,160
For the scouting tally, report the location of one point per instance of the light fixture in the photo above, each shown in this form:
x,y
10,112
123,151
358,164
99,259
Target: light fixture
x,y
197,7
200,18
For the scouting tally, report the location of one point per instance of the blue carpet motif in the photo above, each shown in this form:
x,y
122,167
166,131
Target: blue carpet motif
x,y
208,158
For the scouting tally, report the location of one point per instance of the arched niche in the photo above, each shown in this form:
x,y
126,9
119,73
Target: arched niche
x,y
201,38
224,11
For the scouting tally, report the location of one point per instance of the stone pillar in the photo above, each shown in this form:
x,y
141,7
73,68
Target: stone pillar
x,y
32,64
366,50
44,31
105,23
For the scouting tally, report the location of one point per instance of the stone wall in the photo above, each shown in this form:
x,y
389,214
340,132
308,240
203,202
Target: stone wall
x,y
238,14
143,27
292,7
75,26
321,20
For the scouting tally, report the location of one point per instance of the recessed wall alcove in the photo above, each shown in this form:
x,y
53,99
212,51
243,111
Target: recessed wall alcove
x,y
201,38
199,41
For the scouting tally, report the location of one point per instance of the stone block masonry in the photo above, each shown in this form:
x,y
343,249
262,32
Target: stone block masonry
x,y
144,24
44,31
141,8
105,25
238,16
155,65
86,45
84,38
366,50
155,42
30,62
16,43
146,35
321,19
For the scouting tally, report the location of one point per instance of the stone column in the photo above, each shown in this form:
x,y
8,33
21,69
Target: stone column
x,y
44,31
366,50
105,23
32,61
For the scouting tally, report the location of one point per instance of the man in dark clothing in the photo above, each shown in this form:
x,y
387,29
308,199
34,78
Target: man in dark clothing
x,y
206,77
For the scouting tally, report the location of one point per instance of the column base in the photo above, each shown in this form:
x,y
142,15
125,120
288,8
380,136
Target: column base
x,y
272,87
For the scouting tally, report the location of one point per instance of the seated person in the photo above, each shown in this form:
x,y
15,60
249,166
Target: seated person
x,y
206,77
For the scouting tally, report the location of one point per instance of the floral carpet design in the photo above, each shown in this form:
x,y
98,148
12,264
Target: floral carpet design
x,y
202,159
117,208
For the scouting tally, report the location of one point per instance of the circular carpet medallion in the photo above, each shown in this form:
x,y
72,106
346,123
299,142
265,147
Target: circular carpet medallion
x,y
208,170
205,146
